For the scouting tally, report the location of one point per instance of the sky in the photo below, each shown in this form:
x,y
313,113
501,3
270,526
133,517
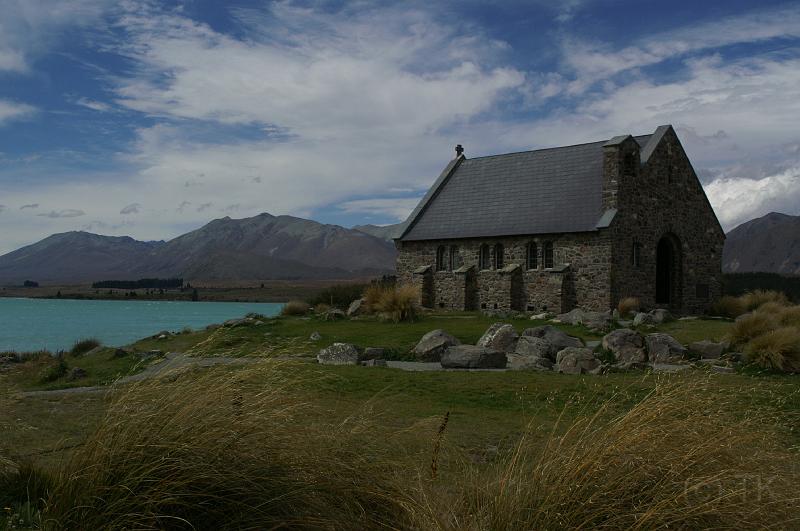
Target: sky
x,y
150,118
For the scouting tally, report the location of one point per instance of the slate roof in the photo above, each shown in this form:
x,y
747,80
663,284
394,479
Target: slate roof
x,y
545,191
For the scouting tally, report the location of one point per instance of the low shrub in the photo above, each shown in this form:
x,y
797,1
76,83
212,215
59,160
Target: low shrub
x,y
295,308
754,299
777,349
657,466
55,371
83,346
339,296
321,308
728,306
628,305
751,326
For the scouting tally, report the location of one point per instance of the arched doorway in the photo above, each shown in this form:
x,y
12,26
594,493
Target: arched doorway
x,y
668,271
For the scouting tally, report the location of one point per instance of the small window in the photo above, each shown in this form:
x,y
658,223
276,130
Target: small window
x,y
636,254
533,256
440,258
483,257
455,258
702,292
499,258
548,255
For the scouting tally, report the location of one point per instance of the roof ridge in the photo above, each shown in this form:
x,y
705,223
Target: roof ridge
x,y
549,148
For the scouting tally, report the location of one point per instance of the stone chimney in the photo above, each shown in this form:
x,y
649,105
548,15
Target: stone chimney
x,y
620,165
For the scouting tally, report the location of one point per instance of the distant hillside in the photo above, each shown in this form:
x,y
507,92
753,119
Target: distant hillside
x,y
386,232
768,244
259,248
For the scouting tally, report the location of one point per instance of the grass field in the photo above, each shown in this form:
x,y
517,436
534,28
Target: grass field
x,y
489,414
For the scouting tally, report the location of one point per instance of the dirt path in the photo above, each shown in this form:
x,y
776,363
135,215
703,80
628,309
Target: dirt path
x,y
172,361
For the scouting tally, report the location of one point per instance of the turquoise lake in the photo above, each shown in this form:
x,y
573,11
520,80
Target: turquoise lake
x,y
55,324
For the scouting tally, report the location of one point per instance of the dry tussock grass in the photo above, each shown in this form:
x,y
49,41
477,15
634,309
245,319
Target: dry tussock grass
x,y
756,298
681,458
217,452
777,349
628,305
751,326
395,303
295,308
728,306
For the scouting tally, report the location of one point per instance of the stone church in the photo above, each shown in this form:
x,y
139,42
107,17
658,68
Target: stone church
x,y
576,226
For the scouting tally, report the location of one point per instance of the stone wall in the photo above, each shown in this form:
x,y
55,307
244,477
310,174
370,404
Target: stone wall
x,y
664,198
585,283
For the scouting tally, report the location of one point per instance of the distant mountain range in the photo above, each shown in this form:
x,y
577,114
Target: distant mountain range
x,y
267,247
768,244
263,247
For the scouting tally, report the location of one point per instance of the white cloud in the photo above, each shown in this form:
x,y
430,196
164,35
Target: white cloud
x,y
11,110
738,199
133,208
65,213
397,208
93,104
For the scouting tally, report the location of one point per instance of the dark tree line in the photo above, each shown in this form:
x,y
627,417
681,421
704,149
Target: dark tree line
x,y
144,283
738,283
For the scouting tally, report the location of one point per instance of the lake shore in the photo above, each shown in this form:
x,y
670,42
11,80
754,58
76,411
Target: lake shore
x,y
267,291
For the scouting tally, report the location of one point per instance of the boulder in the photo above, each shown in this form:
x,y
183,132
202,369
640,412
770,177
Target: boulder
x,y
540,316
626,345
517,362
433,344
499,336
708,350
373,353
472,357
315,336
77,373
339,354
355,307
374,363
576,360
641,318
589,319
233,323
663,348
122,352
661,315
333,314
558,338
536,347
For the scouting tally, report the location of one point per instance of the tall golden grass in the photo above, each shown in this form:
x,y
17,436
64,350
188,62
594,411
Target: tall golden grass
x,y
295,308
733,307
770,335
686,457
238,449
213,451
395,303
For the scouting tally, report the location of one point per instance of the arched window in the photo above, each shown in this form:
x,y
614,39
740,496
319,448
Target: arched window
x,y
533,256
499,259
440,264
455,258
548,255
483,257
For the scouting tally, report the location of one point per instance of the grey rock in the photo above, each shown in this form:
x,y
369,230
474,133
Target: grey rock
x,y
663,348
576,360
374,363
122,352
641,318
558,338
213,326
499,336
77,373
375,353
708,349
626,345
722,370
315,336
150,354
339,354
535,347
472,357
333,314
233,323
433,344
355,307
540,316
162,334
598,320
631,366
593,344
660,315
520,362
